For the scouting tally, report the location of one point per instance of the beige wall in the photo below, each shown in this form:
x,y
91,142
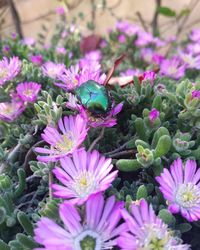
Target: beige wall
x,y
33,13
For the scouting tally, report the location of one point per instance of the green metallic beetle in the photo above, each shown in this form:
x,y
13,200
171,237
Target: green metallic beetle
x,y
94,97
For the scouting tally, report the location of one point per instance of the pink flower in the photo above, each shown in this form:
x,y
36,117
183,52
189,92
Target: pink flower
x,y
36,59
29,41
97,226
74,76
190,60
149,76
122,38
61,50
53,70
103,121
28,91
153,115
82,175
180,187
147,231
73,132
196,94
131,72
9,111
195,35
173,68
9,69
60,10
127,28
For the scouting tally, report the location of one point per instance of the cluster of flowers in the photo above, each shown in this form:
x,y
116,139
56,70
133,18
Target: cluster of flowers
x,y
89,220
26,92
85,175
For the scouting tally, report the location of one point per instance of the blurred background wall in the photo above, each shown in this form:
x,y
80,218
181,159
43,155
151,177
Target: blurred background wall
x,y
33,13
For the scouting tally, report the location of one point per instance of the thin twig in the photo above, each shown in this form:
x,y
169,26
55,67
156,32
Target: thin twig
x,y
154,24
16,18
122,153
97,139
50,185
117,149
138,14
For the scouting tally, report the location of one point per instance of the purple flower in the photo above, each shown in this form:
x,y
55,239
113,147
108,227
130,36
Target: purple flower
x,y
60,10
70,78
127,28
9,111
180,187
108,121
64,34
190,60
82,175
153,115
196,94
147,231
193,48
53,70
91,61
149,76
97,229
195,35
6,49
144,38
36,59
131,72
73,132
29,41
74,77
61,50
173,68
9,69
122,38
27,91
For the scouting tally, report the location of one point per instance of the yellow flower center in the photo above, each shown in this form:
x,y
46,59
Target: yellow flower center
x,y
3,73
84,184
28,92
188,195
65,145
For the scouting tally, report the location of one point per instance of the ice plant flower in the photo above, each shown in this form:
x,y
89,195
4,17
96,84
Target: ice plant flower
x,y
131,72
36,59
173,68
28,91
61,51
121,38
153,115
127,28
97,230
83,174
73,132
149,76
74,77
9,111
190,60
195,35
53,70
29,41
180,187
101,121
9,69
70,78
196,94
146,231
60,10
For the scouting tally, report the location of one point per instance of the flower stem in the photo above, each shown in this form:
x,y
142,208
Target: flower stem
x,y
97,139
50,185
